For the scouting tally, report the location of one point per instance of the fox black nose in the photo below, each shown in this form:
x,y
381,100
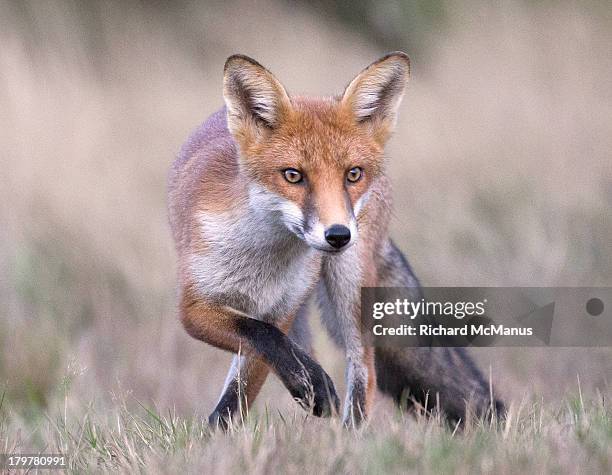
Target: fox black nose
x,y
337,235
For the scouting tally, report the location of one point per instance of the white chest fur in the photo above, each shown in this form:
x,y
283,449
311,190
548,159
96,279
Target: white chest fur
x,y
253,263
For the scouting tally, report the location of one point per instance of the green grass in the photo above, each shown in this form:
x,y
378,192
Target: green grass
x,y
133,437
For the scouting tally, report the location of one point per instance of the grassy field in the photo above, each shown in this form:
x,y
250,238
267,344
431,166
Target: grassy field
x,y
502,176
573,436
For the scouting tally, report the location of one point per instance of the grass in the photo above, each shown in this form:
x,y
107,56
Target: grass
x,y
501,173
572,436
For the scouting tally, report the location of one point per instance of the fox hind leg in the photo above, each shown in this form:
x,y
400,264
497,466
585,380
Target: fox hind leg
x,y
428,375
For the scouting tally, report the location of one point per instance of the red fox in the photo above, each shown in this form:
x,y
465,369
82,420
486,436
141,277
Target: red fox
x,y
275,199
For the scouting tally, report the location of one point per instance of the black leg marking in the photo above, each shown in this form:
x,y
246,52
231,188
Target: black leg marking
x,y
307,382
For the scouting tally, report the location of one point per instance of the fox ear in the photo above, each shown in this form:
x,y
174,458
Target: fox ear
x,y
256,101
375,94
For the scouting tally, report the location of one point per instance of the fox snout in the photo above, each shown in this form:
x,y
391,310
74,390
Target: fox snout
x,y
333,237
331,223
337,236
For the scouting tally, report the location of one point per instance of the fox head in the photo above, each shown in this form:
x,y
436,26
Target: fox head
x,y
312,161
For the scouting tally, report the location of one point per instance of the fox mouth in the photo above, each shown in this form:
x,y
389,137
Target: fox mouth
x,y
331,250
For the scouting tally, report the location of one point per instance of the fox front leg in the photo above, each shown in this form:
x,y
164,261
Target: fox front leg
x,y
361,385
247,375
231,330
340,300
242,384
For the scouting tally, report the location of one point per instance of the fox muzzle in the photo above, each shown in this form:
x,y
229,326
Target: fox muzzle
x,y
337,235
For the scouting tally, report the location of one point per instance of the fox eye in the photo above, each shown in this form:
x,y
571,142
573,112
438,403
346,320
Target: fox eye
x,y
292,175
354,174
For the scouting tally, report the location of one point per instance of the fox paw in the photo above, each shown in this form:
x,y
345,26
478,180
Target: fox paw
x,y
314,390
220,420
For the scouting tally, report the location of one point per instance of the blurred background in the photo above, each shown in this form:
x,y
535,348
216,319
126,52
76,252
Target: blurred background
x,y
501,168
